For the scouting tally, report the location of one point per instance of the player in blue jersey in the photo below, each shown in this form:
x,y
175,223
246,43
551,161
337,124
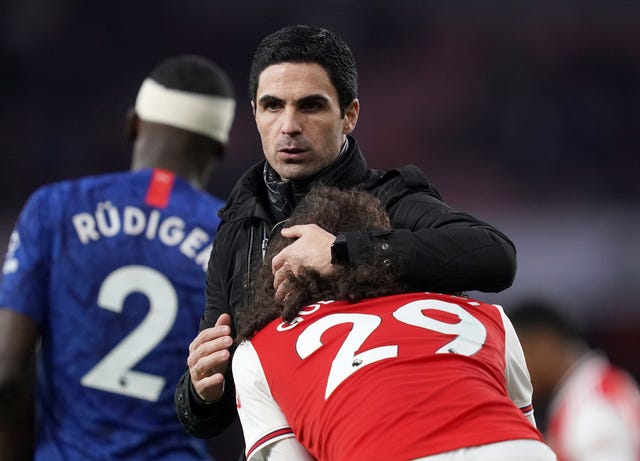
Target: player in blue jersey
x,y
103,286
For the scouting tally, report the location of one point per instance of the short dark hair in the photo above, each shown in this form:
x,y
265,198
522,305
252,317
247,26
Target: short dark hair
x,y
336,211
536,313
307,44
194,74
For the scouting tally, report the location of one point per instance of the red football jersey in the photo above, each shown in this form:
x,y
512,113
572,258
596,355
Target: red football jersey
x,y
397,377
595,413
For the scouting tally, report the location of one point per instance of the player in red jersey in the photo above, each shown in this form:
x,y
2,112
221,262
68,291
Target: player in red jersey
x,y
593,406
371,372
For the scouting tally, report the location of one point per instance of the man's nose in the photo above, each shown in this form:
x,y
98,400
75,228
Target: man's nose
x,y
291,124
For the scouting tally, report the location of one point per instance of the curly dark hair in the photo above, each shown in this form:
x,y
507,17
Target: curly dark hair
x,y
336,211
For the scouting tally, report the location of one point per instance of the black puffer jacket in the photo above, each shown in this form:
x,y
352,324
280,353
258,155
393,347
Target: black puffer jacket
x,y
437,249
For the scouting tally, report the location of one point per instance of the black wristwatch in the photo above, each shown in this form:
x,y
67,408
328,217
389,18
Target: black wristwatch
x,y
339,250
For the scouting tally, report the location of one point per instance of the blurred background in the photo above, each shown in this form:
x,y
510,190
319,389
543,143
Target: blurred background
x,y
524,114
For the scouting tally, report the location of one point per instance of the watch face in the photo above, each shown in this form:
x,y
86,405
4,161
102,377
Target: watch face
x,y
339,250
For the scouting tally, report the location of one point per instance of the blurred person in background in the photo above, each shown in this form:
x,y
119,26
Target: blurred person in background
x,y
303,92
103,285
592,406
331,373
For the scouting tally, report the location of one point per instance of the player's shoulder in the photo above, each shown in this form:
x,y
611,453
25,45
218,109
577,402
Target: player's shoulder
x,y
473,306
49,202
451,298
243,356
50,193
108,179
199,195
72,186
195,203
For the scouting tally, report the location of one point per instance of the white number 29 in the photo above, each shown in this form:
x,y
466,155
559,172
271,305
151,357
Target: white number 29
x,y
470,336
114,372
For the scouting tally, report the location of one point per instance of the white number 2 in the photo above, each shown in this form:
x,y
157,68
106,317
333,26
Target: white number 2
x,y
114,372
346,361
470,336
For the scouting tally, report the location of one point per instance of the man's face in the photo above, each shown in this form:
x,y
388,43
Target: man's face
x,y
298,117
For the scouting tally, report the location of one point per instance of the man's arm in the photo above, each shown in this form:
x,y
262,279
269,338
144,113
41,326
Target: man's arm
x,y
431,246
434,247
437,249
207,418
204,395
18,337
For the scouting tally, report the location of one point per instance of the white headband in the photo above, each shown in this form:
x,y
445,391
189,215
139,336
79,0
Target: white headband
x,y
205,114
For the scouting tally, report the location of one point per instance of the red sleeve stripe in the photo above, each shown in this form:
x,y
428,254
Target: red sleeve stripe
x,y
271,437
527,409
160,188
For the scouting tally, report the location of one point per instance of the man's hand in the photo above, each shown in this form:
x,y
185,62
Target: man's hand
x,y
312,249
208,359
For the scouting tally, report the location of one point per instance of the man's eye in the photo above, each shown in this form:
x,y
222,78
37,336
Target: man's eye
x,y
310,106
273,106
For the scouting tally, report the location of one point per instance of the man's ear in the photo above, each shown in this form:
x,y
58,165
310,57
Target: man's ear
x,y
351,117
253,109
131,125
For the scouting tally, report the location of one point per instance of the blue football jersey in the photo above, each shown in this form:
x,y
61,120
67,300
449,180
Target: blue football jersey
x,y
112,269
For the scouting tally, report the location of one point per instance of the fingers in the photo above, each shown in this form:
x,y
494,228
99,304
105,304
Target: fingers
x,y
294,232
209,357
208,388
280,275
209,360
278,261
221,328
224,319
282,290
209,365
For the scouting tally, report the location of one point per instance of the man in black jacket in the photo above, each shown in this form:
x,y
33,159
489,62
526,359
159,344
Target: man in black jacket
x,y
303,89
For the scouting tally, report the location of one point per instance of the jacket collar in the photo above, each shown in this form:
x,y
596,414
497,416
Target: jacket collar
x,y
251,197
